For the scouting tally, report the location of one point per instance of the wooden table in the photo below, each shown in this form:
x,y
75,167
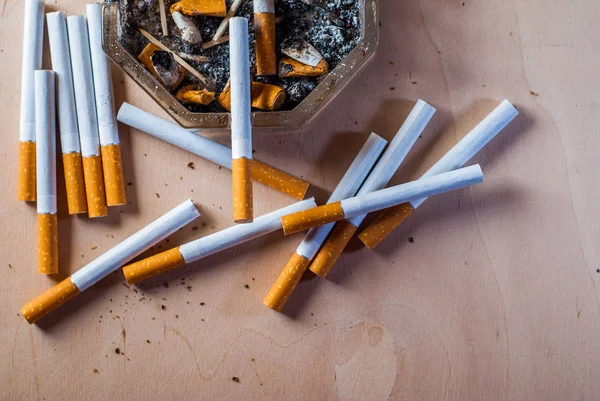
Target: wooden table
x,y
489,293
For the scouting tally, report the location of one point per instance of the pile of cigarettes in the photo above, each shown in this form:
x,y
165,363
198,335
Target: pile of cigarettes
x,y
94,179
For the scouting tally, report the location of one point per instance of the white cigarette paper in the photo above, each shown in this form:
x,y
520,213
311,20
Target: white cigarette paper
x,y
347,187
393,157
45,116
264,6
473,142
134,245
103,82
61,64
241,122
84,85
33,43
437,184
239,234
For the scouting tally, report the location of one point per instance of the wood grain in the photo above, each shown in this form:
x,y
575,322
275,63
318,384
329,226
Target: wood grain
x,y
495,298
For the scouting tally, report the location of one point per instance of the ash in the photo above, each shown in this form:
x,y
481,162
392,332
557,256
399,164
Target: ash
x,y
331,26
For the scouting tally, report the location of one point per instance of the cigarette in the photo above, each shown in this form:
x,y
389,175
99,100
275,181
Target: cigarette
x,y
33,42
45,127
264,29
110,143
67,112
192,94
225,23
196,8
146,58
209,150
241,121
462,152
347,187
163,17
95,271
211,244
189,31
301,60
266,97
290,68
382,199
87,119
381,175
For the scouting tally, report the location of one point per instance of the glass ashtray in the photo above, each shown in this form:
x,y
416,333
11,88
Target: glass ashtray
x,y
330,85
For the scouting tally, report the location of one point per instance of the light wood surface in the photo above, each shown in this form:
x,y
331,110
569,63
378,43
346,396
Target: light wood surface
x,y
489,293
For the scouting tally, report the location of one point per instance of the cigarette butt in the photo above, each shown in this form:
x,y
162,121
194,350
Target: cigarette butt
x,y
384,224
47,243
314,217
26,189
286,282
266,97
154,265
94,187
74,182
279,180
288,67
195,8
332,248
266,55
191,94
50,300
243,210
114,183
145,58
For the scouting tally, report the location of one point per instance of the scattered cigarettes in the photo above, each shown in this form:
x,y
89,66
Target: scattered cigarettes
x,y
382,199
87,116
266,43
225,23
33,49
461,153
241,121
211,244
192,94
348,186
112,260
110,143
209,150
47,221
67,112
386,167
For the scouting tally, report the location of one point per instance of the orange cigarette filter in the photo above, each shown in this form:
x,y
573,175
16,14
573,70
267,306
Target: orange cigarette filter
x,y
332,248
145,58
286,282
26,187
288,68
47,243
314,217
266,53
94,187
196,8
243,210
50,300
266,97
384,224
279,180
74,182
114,182
154,265
192,94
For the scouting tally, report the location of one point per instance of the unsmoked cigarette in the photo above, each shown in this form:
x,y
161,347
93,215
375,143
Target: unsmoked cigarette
x,y
241,121
45,116
382,199
209,150
87,115
348,186
33,42
461,153
211,244
264,29
381,175
112,164
101,267
67,112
